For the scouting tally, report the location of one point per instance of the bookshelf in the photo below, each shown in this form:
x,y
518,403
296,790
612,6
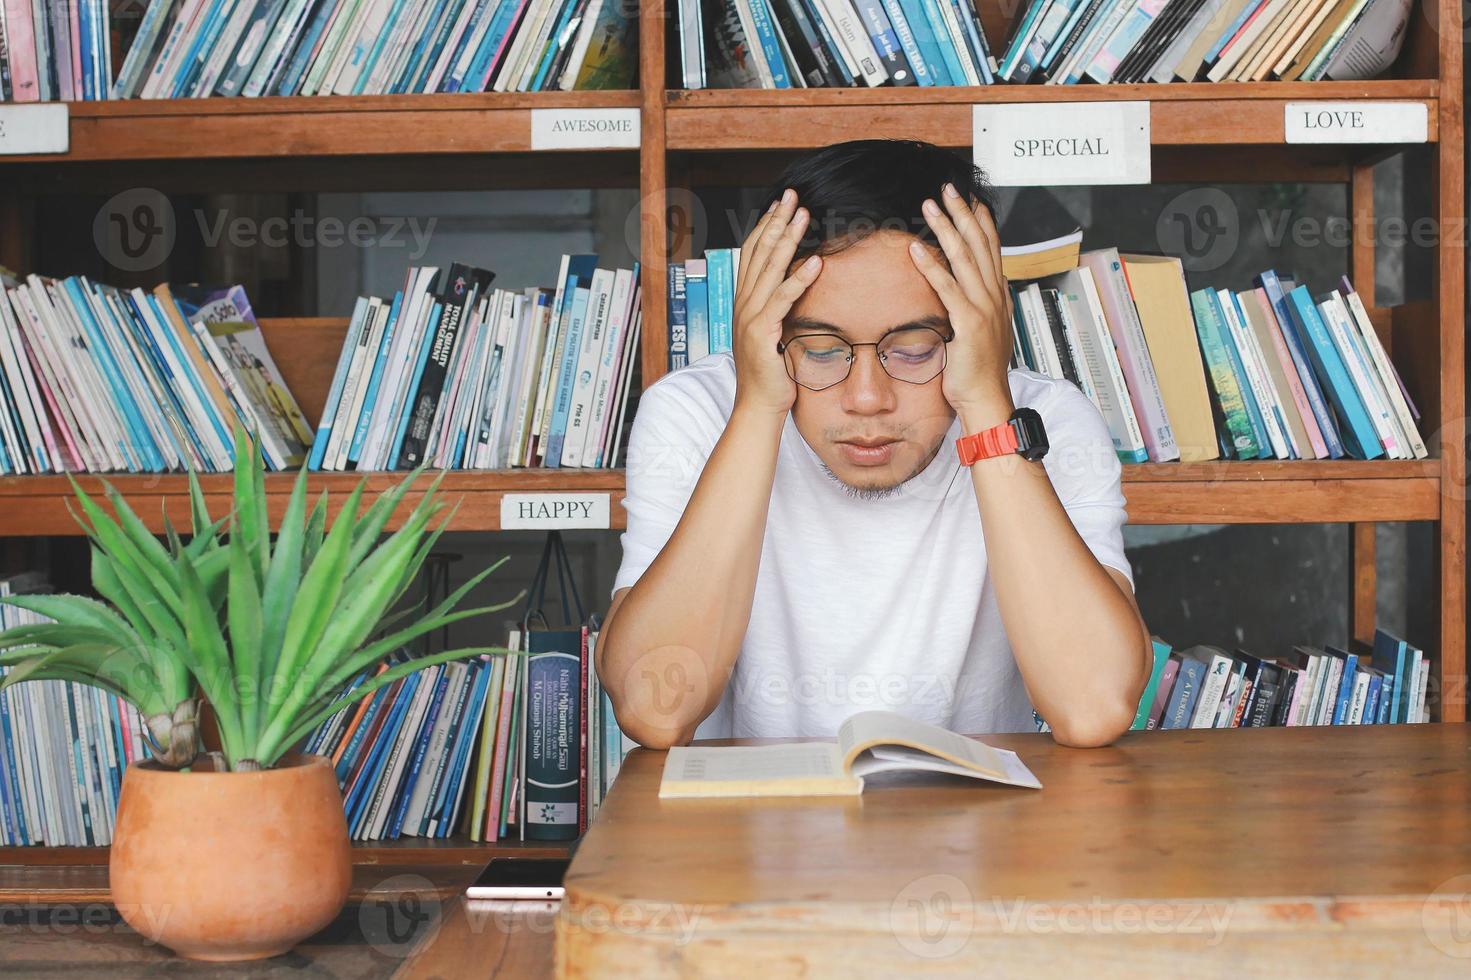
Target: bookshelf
x,y
1200,132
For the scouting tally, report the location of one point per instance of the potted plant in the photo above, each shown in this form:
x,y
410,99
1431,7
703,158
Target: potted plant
x,y
243,852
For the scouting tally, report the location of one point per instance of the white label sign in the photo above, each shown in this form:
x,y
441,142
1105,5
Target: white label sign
x,y
554,509
1037,144
584,129
1356,122
34,127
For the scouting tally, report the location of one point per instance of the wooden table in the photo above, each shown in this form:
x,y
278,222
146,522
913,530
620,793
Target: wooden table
x,y
1257,852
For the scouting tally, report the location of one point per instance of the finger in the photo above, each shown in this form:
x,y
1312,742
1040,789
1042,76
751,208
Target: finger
x,y
983,242
747,272
770,235
962,262
785,296
951,293
780,257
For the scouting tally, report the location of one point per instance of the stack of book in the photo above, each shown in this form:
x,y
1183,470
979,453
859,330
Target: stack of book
x,y
197,48
1207,687
412,754
1271,372
470,376
815,43
702,305
63,749
98,379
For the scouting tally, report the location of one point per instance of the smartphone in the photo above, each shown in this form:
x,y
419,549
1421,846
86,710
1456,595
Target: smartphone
x,y
520,879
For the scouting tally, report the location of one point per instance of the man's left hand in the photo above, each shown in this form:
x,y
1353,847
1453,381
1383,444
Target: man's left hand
x,y
979,304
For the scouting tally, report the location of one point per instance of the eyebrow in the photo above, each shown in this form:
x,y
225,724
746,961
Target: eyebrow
x,y
807,324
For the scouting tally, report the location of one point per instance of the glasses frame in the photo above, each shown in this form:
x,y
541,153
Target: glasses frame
x,y
782,345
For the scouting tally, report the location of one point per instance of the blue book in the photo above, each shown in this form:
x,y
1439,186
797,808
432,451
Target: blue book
x,y
1392,655
376,702
720,297
443,775
403,423
949,56
1345,683
567,373
549,51
965,13
290,81
1021,39
485,58
368,774
138,436
376,771
1386,700
451,79
1359,436
552,705
427,48
339,378
809,7
1230,32
370,395
190,376
421,746
1182,697
442,818
171,384
1371,700
697,315
1295,346
10,807
762,19
1238,368
203,43
370,61
918,24
908,43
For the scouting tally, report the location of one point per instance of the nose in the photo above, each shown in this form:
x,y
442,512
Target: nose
x,y
868,389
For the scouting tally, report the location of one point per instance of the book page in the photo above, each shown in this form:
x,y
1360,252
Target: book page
x,y
797,769
872,728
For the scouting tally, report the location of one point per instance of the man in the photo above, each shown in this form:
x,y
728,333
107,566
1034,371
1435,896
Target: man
x,y
804,539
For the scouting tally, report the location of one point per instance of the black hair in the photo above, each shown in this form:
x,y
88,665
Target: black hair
x,y
852,190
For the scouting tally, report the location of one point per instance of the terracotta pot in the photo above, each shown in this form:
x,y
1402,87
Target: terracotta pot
x,y
230,865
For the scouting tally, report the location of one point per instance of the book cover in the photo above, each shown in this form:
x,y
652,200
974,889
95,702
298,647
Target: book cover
x,y
553,670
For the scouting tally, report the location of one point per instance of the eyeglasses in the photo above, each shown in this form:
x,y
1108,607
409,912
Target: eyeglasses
x,y
914,355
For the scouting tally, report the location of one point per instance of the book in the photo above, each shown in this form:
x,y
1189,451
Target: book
x,y
867,743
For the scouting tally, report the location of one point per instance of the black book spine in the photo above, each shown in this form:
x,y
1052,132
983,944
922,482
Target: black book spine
x,y
813,60
463,286
875,21
829,44
1059,337
1073,37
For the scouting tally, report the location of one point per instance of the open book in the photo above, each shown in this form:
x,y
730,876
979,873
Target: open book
x,y
868,742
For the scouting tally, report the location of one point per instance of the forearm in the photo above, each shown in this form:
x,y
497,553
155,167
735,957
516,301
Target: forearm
x,y
669,650
1079,642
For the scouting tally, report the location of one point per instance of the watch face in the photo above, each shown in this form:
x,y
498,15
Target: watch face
x,y
1031,435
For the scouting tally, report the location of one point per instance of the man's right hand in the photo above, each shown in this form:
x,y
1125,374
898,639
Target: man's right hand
x,y
764,296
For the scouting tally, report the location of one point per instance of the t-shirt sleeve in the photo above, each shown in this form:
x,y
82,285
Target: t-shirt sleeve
x,y
1086,472
668,445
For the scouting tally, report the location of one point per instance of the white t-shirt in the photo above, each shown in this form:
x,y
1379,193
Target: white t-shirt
x,y
865,603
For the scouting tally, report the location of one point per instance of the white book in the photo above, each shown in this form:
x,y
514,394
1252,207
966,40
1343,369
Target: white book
x,y
609,363
584,378
579,47
1217,674
528,370
510,76
1277,398
1335,317
1039,332
753,42
1098,32
217,59
278,40
354,391
1354,338
89,355
495,382
1108,376
97,404
1422,685
1387,377
1255,373
441,63
166,387
407,735
511,362
842,22
1359,694
160,81
356,45
339,375
407,27
190,394
1330,690
341,44
1164,67
23,774
28,400
483,424
21,460
338,23
148,392
68,396
399,362
559,318
616,421
438,738
532,55
58,813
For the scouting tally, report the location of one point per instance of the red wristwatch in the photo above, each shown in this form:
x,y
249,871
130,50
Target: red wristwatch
x,y
1022,434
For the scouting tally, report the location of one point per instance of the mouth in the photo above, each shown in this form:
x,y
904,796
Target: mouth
x,y
868,452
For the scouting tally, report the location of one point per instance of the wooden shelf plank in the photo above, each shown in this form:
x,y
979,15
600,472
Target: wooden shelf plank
x,y
37,505
1195,113
1227,492
217,128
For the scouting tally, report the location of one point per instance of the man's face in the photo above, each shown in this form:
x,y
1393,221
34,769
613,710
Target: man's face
x,y
862,292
